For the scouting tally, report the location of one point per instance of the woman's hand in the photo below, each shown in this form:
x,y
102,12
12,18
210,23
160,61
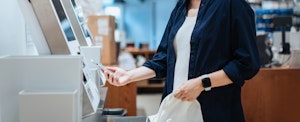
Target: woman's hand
x,y
189,90
118,77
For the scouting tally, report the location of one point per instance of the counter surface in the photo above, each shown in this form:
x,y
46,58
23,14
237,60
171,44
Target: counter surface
x,y
273,95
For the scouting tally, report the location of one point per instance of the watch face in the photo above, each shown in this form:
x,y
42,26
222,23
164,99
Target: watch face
x,y
206,82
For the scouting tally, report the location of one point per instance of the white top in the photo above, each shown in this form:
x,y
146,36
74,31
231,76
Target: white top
x,y
182,49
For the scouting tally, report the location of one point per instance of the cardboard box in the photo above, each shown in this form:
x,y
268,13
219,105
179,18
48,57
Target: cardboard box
x,y
102,28
109,53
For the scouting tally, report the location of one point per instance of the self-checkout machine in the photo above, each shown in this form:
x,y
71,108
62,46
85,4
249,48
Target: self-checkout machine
x,y
55,85
58,84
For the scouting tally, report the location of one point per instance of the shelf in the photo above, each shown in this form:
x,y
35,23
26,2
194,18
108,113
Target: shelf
x,y
147,53
255,3
134,52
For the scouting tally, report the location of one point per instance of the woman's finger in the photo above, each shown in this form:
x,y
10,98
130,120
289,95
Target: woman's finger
x,y
179,94
184,95
189,99
106,76
110,77
113,69
115,80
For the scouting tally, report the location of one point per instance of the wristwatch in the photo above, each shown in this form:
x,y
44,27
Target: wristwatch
x,y
206,82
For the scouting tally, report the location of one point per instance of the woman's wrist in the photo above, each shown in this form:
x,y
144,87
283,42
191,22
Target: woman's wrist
x,y
199,83
129,75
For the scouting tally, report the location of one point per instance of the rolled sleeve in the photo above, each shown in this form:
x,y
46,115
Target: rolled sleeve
x,y
245,63
158,65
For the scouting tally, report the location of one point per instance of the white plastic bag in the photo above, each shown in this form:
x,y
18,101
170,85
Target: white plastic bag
x,y
176,110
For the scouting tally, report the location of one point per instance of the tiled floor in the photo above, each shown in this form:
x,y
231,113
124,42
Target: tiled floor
x,y
148,104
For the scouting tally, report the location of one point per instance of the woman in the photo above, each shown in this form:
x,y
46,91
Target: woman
x,y
206,44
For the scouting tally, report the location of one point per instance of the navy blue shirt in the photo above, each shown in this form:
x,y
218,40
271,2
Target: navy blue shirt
x,y
224,37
